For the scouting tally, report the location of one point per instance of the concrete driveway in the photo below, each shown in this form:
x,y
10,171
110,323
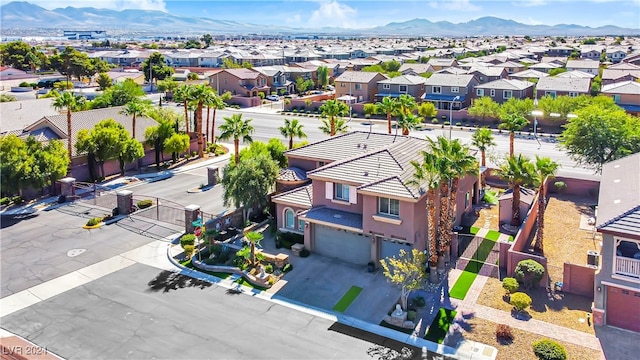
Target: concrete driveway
x,y
321,282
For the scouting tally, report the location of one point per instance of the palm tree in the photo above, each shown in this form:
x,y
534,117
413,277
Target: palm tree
x,y
200,94
332,109
235,127
182,94
291,129
135,107
389,106
156,136
407,104
68,102
218,104
517,171
483,139
512,123
426,176
544,168
339,126
408,122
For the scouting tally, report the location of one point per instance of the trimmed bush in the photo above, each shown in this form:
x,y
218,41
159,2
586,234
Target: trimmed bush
x,y
268,268
510,285
5,201
561,186
411,315
143,204
503,333
187,239
549,350
188,250
94,221
529,273
520,301
287,239
434,121
288,267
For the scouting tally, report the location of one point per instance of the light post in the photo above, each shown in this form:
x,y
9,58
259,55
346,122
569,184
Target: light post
x,y
451,114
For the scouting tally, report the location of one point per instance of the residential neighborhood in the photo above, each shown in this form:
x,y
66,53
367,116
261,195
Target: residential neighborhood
x,y
310,196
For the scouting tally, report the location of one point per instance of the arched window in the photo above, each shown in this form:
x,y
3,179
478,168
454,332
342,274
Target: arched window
x,y
289,219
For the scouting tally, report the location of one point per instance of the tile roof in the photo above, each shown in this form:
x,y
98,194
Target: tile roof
x,y
404,80
583,64
619,196
292,174
449,80
623,87
529,74
16,115
357,76
301,197
345,145
506,84
419,68
576,74
243,73
564,84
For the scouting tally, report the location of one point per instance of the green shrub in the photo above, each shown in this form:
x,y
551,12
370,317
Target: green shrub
x,y
287,239
5,201
549,350
561,186
268,268
187,239
434,121
304,253
458,123
17,199
288,267
411,315
188,250
529,273
446,123
94,221
143,204
419,301
520,301
7,98
510,285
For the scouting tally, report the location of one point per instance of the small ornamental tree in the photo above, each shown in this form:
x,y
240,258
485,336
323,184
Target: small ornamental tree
x,y
520,301
406,271
510,285
546,349
529,273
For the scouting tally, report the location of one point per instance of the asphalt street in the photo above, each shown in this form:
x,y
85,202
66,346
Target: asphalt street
x,y
141,312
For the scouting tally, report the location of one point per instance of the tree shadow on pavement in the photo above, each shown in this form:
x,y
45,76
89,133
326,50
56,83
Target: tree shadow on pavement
x,y
169,280
10,220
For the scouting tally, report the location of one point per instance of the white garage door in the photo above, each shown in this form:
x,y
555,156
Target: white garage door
x,y
343,245
391,247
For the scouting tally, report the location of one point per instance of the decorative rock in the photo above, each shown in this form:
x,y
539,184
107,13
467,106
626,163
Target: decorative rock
x,y
408,324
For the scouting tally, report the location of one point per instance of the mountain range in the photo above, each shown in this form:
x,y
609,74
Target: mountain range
x,y
24,15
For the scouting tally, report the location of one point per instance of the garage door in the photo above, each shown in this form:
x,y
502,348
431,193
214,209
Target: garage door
x,y
343,245
622,308
391,247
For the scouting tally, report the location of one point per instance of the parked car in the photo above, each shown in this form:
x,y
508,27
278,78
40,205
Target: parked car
x,y
273,97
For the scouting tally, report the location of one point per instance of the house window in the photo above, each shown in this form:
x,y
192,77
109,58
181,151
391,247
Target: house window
x,y
493,92
480,92
506,94
436,90
300,224
616,99
550,93
467,197
403,88
321,163
455,89
388,206
386,86
343,85
573,94
341,192
358,86
289,219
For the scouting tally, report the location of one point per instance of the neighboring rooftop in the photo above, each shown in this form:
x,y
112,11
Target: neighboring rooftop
x,y
619,198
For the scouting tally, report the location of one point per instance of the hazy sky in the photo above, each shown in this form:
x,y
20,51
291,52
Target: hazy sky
x,y
361,13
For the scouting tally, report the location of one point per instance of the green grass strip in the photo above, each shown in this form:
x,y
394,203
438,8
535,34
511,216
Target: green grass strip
x,y
474,230
464,282
462,285
440,325
483,250
242,281
347,299
492,235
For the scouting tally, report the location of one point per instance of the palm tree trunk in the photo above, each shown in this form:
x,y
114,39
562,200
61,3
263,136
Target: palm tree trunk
x,y
133,130
207,129
236,146
484,158
199,129
511,139
450,215
432,236
332,130
388,123
213,126
540,218
405,131
443,228
186,116
69,142
515,206
290,142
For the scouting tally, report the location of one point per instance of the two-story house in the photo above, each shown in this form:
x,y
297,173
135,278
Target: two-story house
x,y
504,89
559,86
361,204
589,66
277,79
626,94
485,74
403,84
359,86
615,54
240,82
447,91
617,281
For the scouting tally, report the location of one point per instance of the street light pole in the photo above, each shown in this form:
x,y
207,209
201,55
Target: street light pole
x,y
451,114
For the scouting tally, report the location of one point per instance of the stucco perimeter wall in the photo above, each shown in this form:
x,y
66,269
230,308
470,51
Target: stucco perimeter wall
x,y
578,279
575,186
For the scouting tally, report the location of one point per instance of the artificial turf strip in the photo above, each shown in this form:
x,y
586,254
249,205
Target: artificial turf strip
x,y
474,230
462,285
492,235
491,197
347,299
440,325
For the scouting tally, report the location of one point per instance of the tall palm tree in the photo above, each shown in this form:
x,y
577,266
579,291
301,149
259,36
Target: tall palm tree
x,y
389,106
512,123
333,109
517,171
408,122
235,127
182,94
135,107
426,175
339,126
199,95
544,168
218,104
69,102
407,104
483,139
291,129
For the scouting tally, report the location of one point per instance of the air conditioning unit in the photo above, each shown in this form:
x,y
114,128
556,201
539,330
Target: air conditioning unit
x,y
593,258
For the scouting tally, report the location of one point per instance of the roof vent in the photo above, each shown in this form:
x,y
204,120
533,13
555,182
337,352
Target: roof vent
x,y
364,146
358,145
366,173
